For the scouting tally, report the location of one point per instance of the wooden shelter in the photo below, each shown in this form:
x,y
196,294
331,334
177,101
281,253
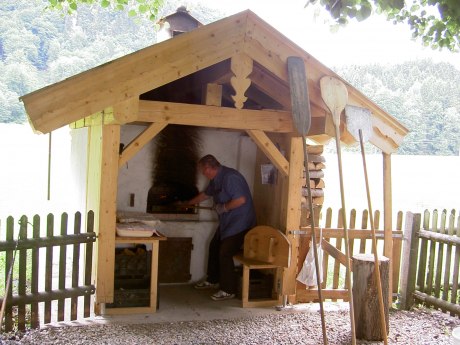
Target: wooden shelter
x,y
230,74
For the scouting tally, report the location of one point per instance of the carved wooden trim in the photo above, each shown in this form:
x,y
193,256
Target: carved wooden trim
x,y
241,66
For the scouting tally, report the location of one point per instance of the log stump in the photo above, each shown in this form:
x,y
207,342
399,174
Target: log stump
x,y
366,298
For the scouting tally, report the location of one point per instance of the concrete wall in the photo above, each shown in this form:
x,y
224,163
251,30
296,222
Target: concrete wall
x,y
79,165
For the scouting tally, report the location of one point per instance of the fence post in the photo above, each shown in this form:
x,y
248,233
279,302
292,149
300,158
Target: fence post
x,y
410,256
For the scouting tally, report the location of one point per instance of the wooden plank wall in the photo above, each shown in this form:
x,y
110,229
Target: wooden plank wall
x,y
267,197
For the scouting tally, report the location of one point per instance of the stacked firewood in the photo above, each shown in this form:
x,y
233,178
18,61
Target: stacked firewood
x,y
316,164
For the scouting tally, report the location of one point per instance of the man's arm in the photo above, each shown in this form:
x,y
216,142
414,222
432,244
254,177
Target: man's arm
x,y
230,205
200,197
235,203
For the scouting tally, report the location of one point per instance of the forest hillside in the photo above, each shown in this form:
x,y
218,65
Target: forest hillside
x,y
40,47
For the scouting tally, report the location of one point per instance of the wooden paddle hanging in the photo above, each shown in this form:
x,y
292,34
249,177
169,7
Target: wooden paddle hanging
x,y
335,95
301,114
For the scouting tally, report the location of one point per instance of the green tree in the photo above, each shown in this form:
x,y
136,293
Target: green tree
x,y
435,22
423,95
140,8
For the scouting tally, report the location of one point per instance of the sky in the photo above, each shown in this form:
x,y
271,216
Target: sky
x,y
374,40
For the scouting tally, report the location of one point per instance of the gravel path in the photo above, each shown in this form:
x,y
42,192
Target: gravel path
x,y
416,327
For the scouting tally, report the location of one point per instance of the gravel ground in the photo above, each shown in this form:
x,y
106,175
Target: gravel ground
x,y
416,327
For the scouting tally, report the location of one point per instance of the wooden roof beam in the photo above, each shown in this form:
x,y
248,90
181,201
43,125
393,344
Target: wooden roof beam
x,y
271,86
139,142
217,117
270,49
98,88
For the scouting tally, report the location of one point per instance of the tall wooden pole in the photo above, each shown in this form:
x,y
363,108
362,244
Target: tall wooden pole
x,y
388,218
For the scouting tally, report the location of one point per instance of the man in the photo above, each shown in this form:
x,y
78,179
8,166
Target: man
x,y
234,206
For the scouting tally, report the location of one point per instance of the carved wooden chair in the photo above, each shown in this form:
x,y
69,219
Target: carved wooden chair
x,y
264,248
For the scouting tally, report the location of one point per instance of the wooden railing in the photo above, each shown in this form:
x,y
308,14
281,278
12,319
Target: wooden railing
x,y
334,285
33,271
431,272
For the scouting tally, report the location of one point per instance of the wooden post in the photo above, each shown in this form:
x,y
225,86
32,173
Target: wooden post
x,y
102,195
292,215
395,261
365,296
387,218
409,265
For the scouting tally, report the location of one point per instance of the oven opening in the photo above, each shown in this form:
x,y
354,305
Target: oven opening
x,y
165,199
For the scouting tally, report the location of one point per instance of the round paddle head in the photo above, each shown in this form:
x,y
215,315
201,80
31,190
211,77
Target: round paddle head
x,y
299,94
335,94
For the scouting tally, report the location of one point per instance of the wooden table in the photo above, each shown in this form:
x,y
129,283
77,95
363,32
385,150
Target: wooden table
x,y
155,242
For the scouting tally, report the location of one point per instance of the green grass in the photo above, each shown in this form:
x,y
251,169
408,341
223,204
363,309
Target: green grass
x,y
4,270
15,273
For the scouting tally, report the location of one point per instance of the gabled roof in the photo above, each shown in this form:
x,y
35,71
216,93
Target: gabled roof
x,y
200,56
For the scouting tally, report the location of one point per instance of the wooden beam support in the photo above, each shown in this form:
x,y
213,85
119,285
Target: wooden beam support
x,y
387,216
271,151
139,142
272,86
312,294
212,95
201,115
105,270
97,119
126,111
279,90
292,208
334,252
218,117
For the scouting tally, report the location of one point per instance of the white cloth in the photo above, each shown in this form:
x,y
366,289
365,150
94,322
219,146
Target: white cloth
x,y
307,274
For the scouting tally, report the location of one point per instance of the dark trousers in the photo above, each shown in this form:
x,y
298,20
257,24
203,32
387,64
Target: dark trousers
x,y
221,268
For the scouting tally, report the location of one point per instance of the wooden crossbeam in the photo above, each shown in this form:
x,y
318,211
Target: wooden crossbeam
x,y
217,117
138,143
271,151
352,233
334,252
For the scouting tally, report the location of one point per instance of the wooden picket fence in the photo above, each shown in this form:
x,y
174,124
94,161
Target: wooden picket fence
x,y
431,273
33,292
334,285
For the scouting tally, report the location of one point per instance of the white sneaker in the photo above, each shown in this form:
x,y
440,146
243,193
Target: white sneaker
x,y
222,295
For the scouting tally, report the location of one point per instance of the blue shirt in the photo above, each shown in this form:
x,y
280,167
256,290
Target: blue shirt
x,y
227,185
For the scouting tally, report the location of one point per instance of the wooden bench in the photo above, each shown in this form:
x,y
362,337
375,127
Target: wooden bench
x,y
264,248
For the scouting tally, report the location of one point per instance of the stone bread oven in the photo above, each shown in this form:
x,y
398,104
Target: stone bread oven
x,y
174,175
